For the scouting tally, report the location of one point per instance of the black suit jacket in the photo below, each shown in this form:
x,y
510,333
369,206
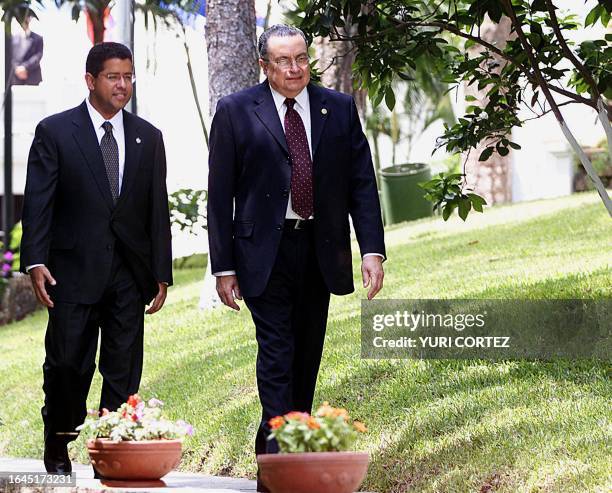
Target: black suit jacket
x,y
69,221
249,183
29,58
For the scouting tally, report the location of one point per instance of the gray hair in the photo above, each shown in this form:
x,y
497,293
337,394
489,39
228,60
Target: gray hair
x,y
280,30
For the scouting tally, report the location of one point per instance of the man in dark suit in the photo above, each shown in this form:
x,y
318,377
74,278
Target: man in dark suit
x,y
27,52
288,164
96,243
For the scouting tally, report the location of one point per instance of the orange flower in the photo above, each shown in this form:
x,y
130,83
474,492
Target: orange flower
x,y
133,400
325,410
313,424
335,412
298,416
360,427
276,422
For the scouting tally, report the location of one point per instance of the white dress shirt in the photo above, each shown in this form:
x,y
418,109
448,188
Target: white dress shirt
x,y
117,122
302,106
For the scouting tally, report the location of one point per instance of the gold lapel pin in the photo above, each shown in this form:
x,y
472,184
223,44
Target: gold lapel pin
x,y
324,111
138,141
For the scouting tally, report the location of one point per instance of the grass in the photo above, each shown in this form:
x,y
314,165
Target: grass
x,y
434,425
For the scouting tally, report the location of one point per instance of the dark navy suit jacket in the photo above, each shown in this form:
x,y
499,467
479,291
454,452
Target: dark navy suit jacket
x,y
28,52
249,182
70,223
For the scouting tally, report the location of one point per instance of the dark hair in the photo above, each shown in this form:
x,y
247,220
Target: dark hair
x,y
105,51
280,30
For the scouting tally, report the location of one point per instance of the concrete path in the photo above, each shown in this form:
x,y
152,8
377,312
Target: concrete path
x,y
85,482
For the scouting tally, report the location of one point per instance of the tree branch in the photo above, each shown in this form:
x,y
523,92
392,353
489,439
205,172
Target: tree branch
x,y
569,53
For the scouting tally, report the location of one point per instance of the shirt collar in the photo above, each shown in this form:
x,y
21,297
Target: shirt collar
x,y
301,99
97,119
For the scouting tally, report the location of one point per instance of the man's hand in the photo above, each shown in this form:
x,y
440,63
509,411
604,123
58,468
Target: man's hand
x,y
373,274
39,276
21,72
228,289
158,302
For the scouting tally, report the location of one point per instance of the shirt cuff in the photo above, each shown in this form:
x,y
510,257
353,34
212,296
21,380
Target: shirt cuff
x,y
224,273
373,254
30,267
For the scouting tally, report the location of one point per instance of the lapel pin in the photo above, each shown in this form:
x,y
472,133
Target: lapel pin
x,y
138,141
324,111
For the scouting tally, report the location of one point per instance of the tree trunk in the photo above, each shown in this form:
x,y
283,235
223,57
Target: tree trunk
x,y
97,12
231,47
336,60
232,65
490,178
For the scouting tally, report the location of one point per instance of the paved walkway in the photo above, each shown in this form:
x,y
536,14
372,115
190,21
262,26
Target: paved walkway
x,y
86,483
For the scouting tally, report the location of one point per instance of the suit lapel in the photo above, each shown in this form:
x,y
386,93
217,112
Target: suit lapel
x,y
133,150
318,115
267,113
85,136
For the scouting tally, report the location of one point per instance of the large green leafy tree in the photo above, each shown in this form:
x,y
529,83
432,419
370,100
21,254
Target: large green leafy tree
x,y
392,35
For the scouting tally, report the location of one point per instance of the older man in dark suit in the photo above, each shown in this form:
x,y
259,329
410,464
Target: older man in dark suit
x,y
96,243
288,164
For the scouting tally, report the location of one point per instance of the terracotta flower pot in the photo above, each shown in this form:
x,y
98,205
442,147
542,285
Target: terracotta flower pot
x,y
146,460
320,472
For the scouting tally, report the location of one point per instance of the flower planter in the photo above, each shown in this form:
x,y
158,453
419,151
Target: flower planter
x,y
146,460
320,472
17,299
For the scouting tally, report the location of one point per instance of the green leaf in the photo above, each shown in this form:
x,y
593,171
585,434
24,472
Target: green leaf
x,y
464,208
486,154
593,16
503,151
477,201
514,145
447,211
390,98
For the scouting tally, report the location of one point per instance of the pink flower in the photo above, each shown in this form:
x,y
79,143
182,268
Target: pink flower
x,y
8,256
139,410
6,268
153,402
186,426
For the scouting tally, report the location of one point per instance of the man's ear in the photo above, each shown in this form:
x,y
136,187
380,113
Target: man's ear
x,y
89,80
264,66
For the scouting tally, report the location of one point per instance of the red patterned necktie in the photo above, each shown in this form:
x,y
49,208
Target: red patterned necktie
x,y
301,163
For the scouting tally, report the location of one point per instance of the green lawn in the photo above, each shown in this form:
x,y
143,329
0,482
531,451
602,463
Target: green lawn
x,y
435,425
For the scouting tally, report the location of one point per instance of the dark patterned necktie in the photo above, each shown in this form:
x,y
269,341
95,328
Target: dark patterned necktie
x,y
110,153
301,163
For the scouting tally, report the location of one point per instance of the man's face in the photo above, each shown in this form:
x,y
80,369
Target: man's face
x,y
111,90
285,68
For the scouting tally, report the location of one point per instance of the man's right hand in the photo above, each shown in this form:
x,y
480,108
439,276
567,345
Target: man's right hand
x,y
228,290
39,276
21,72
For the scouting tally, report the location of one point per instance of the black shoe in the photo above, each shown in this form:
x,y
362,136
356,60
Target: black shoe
x,y
261,488
56,456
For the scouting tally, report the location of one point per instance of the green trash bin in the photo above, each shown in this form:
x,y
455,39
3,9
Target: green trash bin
x,y
402,198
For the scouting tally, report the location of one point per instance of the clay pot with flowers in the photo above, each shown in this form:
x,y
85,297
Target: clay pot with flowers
x,y
135,443
314,453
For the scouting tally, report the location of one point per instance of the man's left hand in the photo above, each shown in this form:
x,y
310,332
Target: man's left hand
x,y
158,302
373,274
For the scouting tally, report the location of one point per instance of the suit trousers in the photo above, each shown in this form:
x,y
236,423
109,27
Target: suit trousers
x,y
71,342
290,318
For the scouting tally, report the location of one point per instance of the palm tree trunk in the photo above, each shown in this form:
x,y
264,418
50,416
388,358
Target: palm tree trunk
x,y
232,65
